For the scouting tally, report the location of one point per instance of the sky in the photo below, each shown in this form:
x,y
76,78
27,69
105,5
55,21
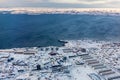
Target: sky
x,y
61,3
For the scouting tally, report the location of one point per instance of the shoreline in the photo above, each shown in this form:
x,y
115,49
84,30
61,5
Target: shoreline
x,y
62,42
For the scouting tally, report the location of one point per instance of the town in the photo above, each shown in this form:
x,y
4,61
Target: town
x,y
76,60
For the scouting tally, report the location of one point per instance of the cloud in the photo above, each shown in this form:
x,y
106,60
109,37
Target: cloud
x,y
80,1
69,1
60,3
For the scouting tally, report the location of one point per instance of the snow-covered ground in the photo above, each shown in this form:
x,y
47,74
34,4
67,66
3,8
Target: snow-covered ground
x,y
81,73
74,61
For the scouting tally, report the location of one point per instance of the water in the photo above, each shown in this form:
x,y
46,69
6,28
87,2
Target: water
x,y
22,30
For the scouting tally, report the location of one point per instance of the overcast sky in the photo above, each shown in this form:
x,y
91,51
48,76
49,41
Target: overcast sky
x,y
61,3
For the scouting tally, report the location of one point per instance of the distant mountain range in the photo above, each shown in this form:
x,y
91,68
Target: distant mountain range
x,y
93,11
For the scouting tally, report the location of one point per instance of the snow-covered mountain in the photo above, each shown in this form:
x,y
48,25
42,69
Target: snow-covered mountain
x,y
93,11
